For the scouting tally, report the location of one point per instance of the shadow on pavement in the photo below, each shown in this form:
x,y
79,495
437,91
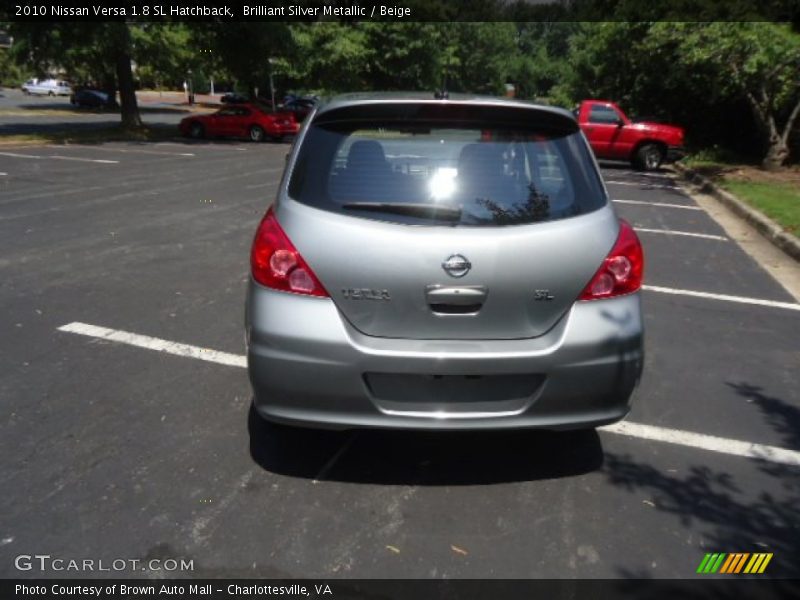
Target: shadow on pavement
x,y
99,132
730,515
422,458
628,168
67,107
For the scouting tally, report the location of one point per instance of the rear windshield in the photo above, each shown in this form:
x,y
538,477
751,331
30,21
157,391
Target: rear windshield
x,y
434,174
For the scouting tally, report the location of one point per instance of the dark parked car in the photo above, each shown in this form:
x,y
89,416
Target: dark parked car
x,y
240,120
92,99
299,107
234,98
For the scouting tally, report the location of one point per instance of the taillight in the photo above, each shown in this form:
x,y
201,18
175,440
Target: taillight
x,y
276,263
621,271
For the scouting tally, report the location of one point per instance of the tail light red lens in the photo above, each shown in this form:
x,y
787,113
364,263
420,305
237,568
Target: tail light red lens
x,y
622,270
276,263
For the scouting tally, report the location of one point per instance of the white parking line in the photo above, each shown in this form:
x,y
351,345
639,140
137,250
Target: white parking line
x,y
705,442
643,184
58,157
659,204
151,343
706,236
131,151
724,297
615,172
648,432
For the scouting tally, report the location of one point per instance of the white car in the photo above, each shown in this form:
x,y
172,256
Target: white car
x,y
28,84
47,87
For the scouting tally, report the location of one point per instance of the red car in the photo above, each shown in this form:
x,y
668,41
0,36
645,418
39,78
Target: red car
x,y
613,136
240,120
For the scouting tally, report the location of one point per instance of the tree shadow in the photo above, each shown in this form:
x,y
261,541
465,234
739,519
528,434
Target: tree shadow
x,y
422,458
782,417
101,132
730,514
152,110
626,167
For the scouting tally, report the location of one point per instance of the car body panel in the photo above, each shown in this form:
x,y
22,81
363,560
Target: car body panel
x,y
48,87
307,364
92,99
236,120
619,139
405,260
369,361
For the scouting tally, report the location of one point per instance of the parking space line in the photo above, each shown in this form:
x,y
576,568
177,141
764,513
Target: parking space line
x,y
636,430
59,157
151,343
706,236
723,297
705,442
658,204
132,151
614,172
643,184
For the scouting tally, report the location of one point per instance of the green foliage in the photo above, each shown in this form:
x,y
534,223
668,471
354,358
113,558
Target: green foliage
x,y
781,202
163,53
480,56
330,56
701,75
405,56
85,51
13,74
240,50
704,76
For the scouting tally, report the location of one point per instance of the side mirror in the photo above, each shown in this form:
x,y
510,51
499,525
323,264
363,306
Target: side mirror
x,y
620,122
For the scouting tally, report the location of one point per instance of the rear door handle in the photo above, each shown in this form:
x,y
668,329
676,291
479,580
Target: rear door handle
x,y
456,295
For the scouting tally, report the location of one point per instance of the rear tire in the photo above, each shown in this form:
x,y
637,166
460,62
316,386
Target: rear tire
x,y
648,157
256,134
197,131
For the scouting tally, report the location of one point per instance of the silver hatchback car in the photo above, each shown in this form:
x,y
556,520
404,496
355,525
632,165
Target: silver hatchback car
x,y
443,264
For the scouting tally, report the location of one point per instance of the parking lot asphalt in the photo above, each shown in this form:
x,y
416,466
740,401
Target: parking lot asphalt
x,y
134,449
22,114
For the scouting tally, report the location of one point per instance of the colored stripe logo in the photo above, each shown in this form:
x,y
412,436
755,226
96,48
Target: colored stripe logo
x,y
735,562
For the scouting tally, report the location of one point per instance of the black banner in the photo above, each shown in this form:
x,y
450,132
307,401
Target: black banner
x,y
734,587
402,10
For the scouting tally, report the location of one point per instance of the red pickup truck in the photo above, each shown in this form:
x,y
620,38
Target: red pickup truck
x,y
613,136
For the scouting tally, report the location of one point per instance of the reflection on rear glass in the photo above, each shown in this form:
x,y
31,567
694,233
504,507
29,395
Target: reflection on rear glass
x,y
491,177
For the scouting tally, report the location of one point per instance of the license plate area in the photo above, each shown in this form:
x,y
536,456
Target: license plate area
x,y
445,392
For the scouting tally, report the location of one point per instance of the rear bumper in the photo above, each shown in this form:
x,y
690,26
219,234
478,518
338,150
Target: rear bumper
x,y
284,130
308,366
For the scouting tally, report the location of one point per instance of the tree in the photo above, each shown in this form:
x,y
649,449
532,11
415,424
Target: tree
x,y
481,56
405,56
540,65
244,48
97,52
757,61
331,56
164,52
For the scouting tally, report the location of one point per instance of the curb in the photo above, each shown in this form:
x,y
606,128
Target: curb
x,y
768,228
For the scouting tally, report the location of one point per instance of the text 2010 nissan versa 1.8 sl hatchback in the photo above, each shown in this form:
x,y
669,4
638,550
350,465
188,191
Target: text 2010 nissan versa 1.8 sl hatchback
x,y
443,264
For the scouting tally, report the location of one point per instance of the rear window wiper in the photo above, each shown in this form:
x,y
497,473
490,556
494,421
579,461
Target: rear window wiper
x,y
411,209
